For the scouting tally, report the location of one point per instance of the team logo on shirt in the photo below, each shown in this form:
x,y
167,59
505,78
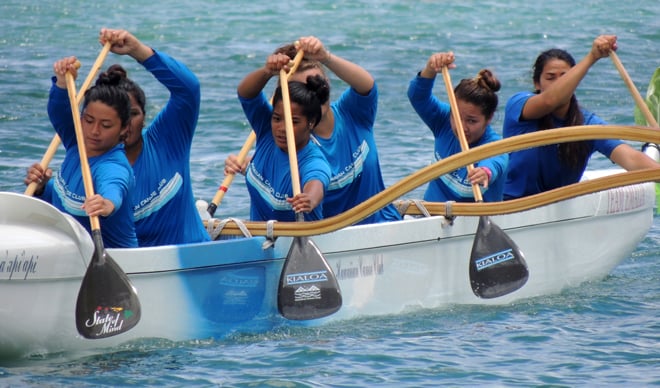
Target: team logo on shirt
x,y
353,170
158,198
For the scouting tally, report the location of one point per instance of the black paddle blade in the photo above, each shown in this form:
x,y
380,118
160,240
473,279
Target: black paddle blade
x,y
107,301
308,287
497,266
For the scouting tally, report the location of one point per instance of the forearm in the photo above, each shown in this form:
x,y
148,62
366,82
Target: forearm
x,y
354,75
631,159
142,52
254,83
497,165
427,73
314,189
98,206
179,116
561,91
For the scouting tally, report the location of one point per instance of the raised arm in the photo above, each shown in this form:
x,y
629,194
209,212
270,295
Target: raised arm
x,y
562,86
256,81
436,62
59,108
177,120
632,159
125,43
354,75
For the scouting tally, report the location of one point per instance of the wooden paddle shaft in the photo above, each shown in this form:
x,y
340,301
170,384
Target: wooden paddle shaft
x,y
249,142
296,62
45,161
224,186
290,136
459,127
92,72
84,163
633,91
55,142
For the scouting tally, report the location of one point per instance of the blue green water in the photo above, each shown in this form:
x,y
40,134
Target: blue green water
x,y
605,333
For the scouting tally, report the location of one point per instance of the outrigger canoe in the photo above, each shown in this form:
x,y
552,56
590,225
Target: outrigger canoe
x,y
229,285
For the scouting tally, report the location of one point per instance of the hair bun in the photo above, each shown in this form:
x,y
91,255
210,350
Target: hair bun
x,y
319,86
486,79
113,76
116,68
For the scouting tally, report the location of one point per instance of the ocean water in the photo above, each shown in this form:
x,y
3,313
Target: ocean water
x,y
604,333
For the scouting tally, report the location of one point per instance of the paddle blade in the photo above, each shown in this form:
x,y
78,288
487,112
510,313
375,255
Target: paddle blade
x,y
107,301
308,287
497,266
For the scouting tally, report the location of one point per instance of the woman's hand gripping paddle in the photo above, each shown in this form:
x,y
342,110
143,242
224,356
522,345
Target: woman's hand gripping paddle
x,y
107,302
308,288
497,266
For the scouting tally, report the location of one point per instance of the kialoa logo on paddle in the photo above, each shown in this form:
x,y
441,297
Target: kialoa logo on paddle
x,y
306,282
497,266
308,288
494,259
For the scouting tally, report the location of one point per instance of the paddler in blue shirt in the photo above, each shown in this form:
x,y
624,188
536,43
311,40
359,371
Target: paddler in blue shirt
x,y
553,104
345,133
163,202
477,101
105,122
268,175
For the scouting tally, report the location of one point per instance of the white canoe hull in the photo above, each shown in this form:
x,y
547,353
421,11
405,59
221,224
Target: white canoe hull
x,y
210,290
